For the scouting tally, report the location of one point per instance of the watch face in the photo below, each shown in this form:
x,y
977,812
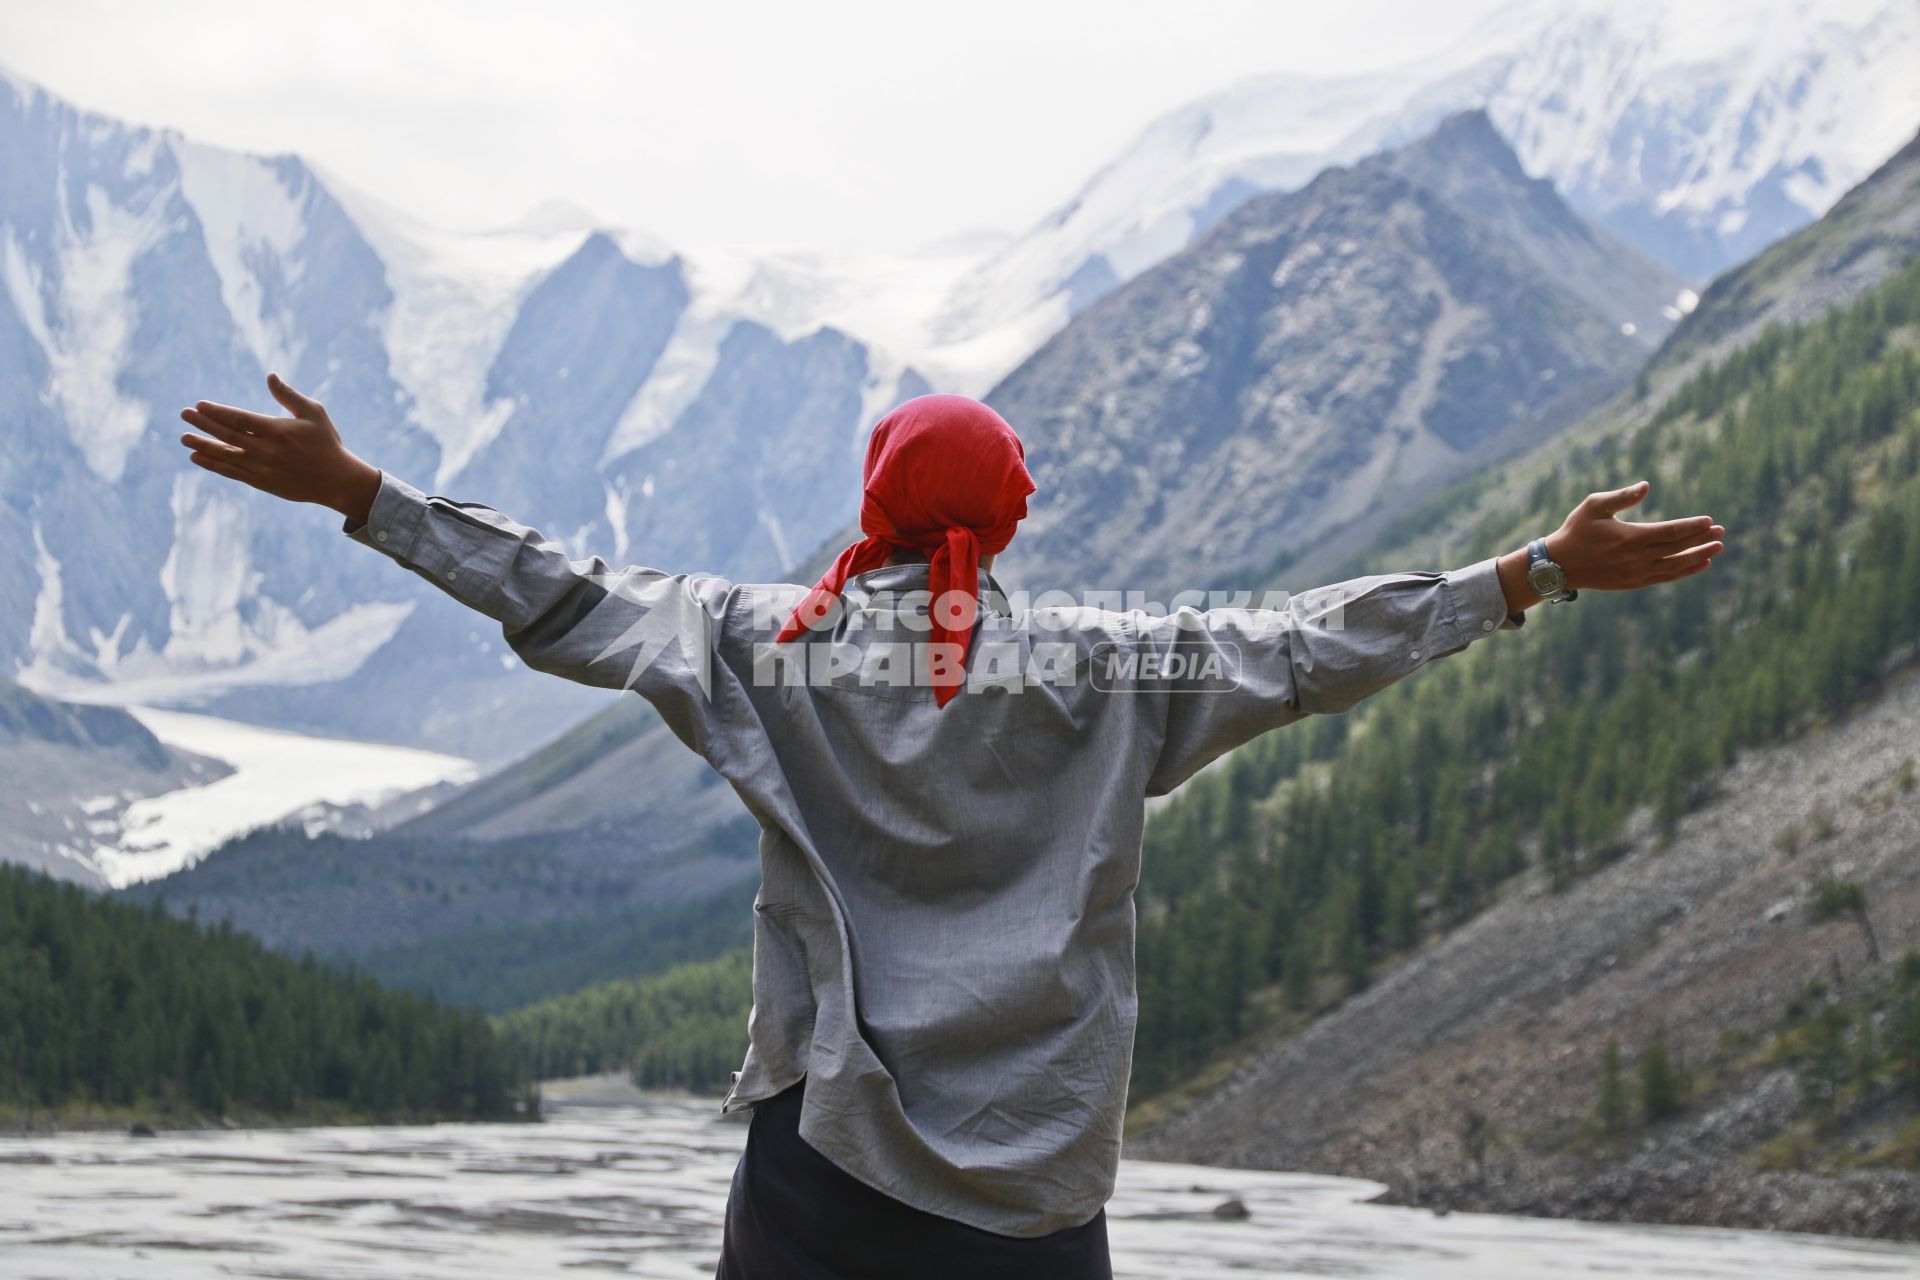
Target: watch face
x,y
1545,578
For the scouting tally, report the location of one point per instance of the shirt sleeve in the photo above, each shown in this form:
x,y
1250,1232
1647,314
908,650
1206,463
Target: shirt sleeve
x,y
632,628
1233,674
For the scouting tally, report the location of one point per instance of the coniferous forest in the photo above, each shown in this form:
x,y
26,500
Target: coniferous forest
x,y
682,1029
115,1009
1309,858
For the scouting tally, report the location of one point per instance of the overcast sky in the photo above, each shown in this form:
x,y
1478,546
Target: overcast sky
x,y
838,123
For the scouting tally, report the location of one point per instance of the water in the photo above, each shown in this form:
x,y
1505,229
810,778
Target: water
x,y
638,1190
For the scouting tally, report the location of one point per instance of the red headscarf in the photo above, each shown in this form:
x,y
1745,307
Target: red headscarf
x,y
946,476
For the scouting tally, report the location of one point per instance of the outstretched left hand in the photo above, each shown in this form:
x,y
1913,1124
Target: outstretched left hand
x,y
1598,551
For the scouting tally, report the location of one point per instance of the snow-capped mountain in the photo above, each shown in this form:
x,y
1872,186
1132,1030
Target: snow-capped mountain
x,y
588,381
705,411
1698,132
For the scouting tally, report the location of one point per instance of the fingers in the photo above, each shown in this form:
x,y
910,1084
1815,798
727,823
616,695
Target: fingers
x,y
1676,574
1615,501
296,404
238,419
219,467
1705,551
1685,563
213,448
217,429
1676,533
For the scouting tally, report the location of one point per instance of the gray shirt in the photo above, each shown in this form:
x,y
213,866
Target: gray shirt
x,y
944,932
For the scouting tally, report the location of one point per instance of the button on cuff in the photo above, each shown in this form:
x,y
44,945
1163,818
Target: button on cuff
x,y
1479,598
394,521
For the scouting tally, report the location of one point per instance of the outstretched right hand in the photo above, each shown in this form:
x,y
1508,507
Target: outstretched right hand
x,y
300,458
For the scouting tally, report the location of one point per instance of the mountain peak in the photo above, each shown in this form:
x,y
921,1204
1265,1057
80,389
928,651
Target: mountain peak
x,y
1471,136
1468,163
556,214
1316,349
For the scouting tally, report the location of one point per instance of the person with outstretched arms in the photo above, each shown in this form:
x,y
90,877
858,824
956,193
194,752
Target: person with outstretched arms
x,y
951,790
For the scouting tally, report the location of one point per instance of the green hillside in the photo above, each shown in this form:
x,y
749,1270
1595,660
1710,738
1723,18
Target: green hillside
x,y
503,967
1277,883
683,1029
116,1010
494,923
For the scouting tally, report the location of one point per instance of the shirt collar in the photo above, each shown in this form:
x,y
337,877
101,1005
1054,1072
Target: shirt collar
x,y
894,579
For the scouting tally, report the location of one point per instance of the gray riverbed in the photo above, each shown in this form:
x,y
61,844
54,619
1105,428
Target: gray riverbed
x,y
637,1189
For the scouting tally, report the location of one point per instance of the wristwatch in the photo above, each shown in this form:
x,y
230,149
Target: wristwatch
x,y
1545,577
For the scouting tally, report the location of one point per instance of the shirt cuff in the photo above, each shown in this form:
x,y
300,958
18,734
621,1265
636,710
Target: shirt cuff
x,y
1480,603
393,521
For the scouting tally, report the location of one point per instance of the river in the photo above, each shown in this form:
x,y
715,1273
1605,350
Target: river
x,y
637,1189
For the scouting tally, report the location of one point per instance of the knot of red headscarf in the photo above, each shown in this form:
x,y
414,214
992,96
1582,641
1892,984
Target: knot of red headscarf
x,y
947,477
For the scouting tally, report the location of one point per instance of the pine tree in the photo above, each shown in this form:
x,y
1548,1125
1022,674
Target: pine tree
x,y
1611,1109
1403,907
1824,1069
1905,1024
1659,1083
1297,975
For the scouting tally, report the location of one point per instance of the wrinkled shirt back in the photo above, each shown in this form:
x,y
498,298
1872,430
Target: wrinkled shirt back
x,y
944,932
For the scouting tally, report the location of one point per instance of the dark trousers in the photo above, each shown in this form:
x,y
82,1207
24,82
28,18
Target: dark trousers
x,y
795,1215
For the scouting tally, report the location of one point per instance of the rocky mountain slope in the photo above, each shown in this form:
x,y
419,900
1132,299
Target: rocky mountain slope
x,y
71,771
1371,335
1869,233
619,766
1499,1026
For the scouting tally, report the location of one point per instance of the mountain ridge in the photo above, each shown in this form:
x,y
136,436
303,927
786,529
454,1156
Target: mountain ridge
x,y
1375,331
1698,133
211,264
